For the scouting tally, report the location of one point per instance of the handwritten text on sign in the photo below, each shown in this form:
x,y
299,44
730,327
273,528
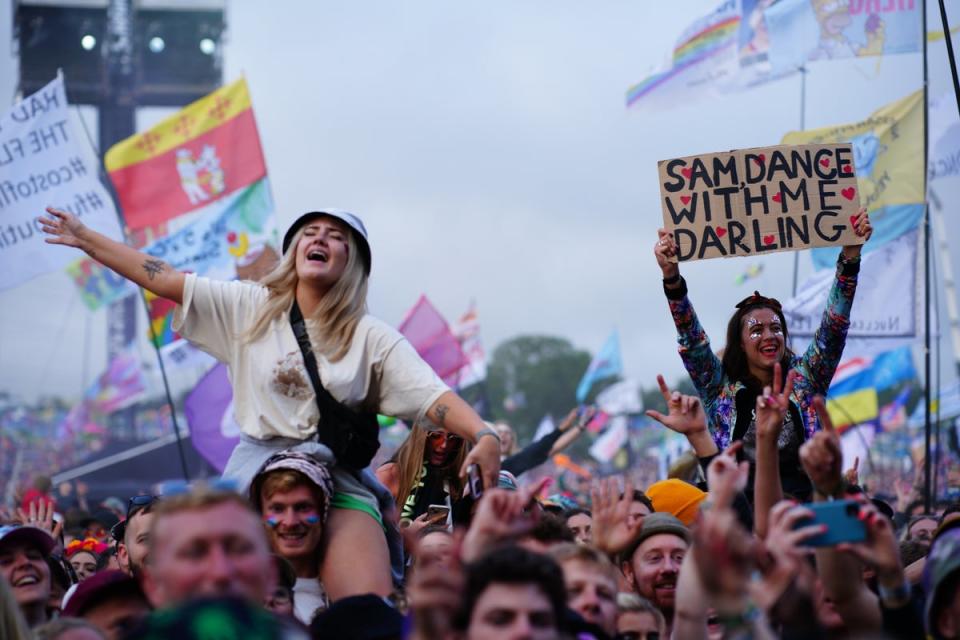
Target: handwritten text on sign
x,y
752,201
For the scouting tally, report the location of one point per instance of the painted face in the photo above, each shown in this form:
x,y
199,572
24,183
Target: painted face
x,y
654,567
581,525
511,612
293,519
85,564
591,593
25,568
213,551
442,447
762,337
322,252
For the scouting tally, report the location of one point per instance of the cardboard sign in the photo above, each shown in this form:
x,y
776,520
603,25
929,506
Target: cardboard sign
x,y
752,201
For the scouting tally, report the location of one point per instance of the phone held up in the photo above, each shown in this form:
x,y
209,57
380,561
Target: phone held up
x,y
475,481
841,520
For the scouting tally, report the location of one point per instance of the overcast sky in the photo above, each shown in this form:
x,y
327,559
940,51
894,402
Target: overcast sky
x,y
488,149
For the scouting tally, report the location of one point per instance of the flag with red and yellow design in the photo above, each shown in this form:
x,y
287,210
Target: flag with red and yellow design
x,y
205,151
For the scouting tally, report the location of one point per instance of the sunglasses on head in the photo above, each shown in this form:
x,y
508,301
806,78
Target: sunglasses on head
x,y
757,299
137,503
436,437
181,487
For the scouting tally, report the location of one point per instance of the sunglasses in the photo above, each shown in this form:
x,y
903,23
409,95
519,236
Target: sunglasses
x,y
757,299
180,487
138,503
436,437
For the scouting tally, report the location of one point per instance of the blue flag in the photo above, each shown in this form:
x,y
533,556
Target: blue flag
x,y
887,370
606,363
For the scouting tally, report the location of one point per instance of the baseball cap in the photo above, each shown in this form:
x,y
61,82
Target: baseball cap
x,y
99,587
14,533
349,219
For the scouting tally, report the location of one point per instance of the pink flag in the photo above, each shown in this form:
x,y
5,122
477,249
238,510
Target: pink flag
x,y
430,335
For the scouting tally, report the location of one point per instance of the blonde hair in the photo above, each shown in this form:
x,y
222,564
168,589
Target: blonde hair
x,y
571,551
12,624
334,321
409,461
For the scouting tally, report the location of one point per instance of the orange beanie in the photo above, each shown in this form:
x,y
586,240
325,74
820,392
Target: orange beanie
x,y
680,498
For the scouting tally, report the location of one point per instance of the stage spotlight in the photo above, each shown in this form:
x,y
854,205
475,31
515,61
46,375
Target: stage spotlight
x,y
156,44
88,42
208,46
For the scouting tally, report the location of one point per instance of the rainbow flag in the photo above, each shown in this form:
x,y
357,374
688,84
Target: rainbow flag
x,y
204,152
705,39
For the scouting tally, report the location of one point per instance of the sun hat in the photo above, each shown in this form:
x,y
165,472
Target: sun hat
x,y
349,219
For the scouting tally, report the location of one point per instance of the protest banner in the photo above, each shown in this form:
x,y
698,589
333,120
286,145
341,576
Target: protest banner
x,y
44,163
753,201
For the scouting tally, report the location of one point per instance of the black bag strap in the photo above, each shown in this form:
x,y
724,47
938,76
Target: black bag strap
x,y
324,400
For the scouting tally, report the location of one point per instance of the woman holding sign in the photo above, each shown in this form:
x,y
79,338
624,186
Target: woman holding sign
x,y
756,343
299,345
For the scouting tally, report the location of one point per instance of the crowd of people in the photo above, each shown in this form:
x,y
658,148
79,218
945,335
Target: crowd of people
x,y
770,537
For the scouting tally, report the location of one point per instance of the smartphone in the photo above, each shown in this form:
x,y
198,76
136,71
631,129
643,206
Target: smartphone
x,y
475,481
438,513
840,517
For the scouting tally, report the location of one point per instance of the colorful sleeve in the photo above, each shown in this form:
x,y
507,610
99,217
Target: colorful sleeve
x,y
701,362
820,361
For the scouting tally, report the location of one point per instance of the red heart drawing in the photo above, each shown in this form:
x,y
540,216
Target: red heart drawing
x,y
721,232
825,162
848,193
769,239
686,172
776,197
846,169
685,199
760,158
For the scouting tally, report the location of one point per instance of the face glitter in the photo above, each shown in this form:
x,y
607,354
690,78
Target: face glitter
x,y
312,519
272,522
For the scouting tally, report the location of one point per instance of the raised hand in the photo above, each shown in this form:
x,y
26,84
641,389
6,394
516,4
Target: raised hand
x,y
821,455
772,406
785,558
880,550
501,516
434,590
852,475
612,529
725,476
63,228
40,515
663,251
684,413
863,228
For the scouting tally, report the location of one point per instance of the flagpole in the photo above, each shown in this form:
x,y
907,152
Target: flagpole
x,y
926,251
803,126
102,171
949,39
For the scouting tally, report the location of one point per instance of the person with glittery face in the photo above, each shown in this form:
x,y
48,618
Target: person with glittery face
x,y
757,346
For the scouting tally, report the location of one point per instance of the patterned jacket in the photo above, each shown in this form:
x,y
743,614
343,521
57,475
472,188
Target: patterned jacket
x,y
814,368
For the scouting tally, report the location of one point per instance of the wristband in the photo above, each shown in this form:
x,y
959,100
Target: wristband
x,y
487,431
895,597
672,280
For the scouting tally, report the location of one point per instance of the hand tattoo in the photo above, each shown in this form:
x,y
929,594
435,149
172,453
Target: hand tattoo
x,y
153,267
442,411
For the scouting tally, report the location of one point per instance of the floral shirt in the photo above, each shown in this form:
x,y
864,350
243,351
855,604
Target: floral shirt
x,y
813,369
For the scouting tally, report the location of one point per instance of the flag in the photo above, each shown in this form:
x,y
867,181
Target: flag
x,y
118,387
607,445
605,364
44,164
545,428
888,156
880,372
621,397
98,285
946,403
467,331
853,408
753,271
430,335
886,308
209,410
704,54
205,151
802,31
893,416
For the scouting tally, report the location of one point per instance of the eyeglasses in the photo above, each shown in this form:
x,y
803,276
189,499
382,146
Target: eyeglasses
x,y
757,299
436,437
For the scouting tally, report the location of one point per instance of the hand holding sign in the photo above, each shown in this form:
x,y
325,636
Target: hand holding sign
x,y
753,201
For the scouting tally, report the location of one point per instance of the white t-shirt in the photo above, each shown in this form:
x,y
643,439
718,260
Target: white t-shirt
x,y
308,596
272,394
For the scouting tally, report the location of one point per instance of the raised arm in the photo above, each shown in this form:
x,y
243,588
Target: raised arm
x,y
821,358
140,268
771,408
453,414
701,362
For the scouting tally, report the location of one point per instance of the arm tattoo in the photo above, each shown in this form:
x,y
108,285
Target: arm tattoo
x,y
153,267
442,411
